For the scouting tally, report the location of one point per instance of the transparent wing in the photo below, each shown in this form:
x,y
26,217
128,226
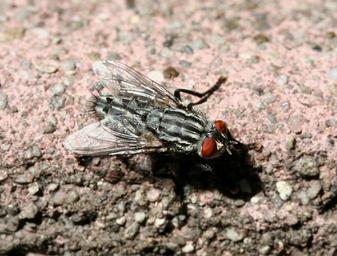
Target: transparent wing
x,y
130,85
101,139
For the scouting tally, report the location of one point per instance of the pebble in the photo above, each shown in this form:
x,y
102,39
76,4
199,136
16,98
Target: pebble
x,y
188,248
25,178
199,44
3,175
29,211
331,122
170,73
303,196
49,128
58,89
295,123
52,187
332,74
153,195
47,68
72,196
69,66
264,250
59,198
33,188
185,63
132,230
140,217
185,49
282,80
3,101
284,189
121,221
233,235
157,76
10,34
56,102
314,189
306,167
159,222
291,143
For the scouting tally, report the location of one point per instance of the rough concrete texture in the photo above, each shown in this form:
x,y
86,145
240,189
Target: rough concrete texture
x,y
281,61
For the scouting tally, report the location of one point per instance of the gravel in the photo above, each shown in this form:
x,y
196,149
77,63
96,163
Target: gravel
x,y
284,189
306,167
3,101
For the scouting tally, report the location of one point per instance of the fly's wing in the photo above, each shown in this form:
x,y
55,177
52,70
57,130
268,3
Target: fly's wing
x,y
112,137
132,86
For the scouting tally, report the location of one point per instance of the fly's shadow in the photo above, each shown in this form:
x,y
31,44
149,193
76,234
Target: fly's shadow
x,y
235,176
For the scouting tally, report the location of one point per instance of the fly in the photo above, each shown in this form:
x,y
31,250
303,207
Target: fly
x,y
138,115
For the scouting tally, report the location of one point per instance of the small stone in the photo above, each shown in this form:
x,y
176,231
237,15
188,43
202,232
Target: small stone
x,y
332,74
29,211
36,151
25,178
56,102
331,122
282,80
306,167
3,175
58,89
170,73
291,219
261,39
264,250
234,235
153,195
3,101
72,197
121,221
59,198
199,44
284,190
185,63
303,196
159,222
140,217
157,76
186,49
34,188
291,143
46,68
52,187
11,34
188,248
41,33
69,66
207,212
49,128
314,189
295,123
132,230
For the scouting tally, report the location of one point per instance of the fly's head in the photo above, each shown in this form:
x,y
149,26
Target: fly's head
x,y
216,141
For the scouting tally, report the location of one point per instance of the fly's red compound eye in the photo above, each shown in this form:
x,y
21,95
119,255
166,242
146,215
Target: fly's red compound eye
x,y
221,126
208,147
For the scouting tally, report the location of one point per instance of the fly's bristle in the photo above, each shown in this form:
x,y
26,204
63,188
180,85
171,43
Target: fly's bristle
x,y
91,105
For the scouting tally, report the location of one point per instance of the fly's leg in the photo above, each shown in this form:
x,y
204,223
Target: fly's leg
x,y
203,96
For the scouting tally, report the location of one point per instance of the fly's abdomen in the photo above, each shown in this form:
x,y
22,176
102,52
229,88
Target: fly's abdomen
x,y
176,125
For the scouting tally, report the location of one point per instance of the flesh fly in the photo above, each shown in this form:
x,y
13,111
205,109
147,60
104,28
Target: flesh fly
x,y
138,115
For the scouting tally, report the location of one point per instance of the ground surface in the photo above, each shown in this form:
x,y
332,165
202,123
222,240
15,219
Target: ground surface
x,y
281,60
